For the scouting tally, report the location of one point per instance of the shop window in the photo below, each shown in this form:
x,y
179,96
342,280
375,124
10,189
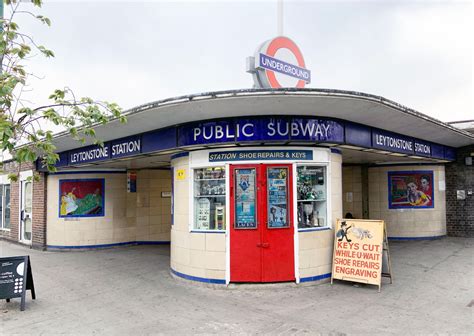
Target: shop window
x,y
5,206
312,197
209,198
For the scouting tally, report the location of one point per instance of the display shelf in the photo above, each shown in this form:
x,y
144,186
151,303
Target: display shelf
x,y
210,196
209,179
317,200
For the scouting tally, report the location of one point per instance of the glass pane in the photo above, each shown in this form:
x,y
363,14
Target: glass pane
x,y
209,198
311,183
27,233
245,199
2,191
277,184
6,210
311,190
28,197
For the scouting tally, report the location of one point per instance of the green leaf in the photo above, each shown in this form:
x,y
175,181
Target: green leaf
x,y
37,3
46,52
36,177
26,110
44,19
58,94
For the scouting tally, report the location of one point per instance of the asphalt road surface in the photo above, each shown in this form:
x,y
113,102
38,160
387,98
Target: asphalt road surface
x,y
130,291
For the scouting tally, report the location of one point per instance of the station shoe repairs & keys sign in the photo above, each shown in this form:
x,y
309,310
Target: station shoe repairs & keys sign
x,y
361,252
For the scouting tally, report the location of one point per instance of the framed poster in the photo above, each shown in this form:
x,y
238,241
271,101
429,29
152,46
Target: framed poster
x,y
81,198
410,189
277,206
245,198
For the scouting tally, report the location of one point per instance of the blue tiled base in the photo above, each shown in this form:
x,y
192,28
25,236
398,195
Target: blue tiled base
x,y
195,278
72,247
316,277
417,238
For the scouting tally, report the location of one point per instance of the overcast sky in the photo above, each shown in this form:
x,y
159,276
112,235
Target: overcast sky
x,y
418,54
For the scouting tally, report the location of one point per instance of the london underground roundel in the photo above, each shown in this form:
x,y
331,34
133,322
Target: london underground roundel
x,y
280,63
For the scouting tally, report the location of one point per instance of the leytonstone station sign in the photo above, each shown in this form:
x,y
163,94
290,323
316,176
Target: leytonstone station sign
x,y
278,63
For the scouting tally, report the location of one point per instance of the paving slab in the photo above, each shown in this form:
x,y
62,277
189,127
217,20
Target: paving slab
x,y
130,291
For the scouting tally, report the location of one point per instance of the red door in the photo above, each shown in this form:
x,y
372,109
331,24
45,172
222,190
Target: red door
x,y
261,230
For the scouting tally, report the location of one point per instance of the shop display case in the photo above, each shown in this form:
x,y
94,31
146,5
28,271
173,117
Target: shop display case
x,y
209,198
311,196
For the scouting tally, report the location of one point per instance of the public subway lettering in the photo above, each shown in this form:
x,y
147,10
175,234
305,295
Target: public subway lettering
x,y
217,132
312,129
296,129
126,148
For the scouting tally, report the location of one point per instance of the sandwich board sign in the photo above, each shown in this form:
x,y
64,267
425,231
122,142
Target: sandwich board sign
x,y
359,250
16,278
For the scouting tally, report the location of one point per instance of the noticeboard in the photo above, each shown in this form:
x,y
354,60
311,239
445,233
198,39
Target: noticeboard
x,y
358,248
16,278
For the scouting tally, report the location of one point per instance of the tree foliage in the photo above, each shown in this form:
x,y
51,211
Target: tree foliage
x,y
25,130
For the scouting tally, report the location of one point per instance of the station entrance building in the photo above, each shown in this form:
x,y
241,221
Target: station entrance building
x,y
246,185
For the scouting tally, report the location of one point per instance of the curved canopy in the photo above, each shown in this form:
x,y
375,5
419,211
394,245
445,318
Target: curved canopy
x,y
357,107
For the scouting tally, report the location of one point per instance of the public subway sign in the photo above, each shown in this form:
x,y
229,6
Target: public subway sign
x,y
110,150
262,129
278,63
358,248
256,130
260,155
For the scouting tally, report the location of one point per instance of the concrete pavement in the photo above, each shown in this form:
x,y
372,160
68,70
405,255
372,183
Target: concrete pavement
x,y
129,290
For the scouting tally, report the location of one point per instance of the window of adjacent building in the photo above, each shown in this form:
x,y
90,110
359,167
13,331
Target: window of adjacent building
x,y
209,198
5,206
311,197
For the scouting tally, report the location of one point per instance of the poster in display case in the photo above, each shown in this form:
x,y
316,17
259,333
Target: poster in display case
x,y
410,189
81,198
245,198
277,197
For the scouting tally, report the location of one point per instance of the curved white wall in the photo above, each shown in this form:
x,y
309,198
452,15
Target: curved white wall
x,y
195,254
204,255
